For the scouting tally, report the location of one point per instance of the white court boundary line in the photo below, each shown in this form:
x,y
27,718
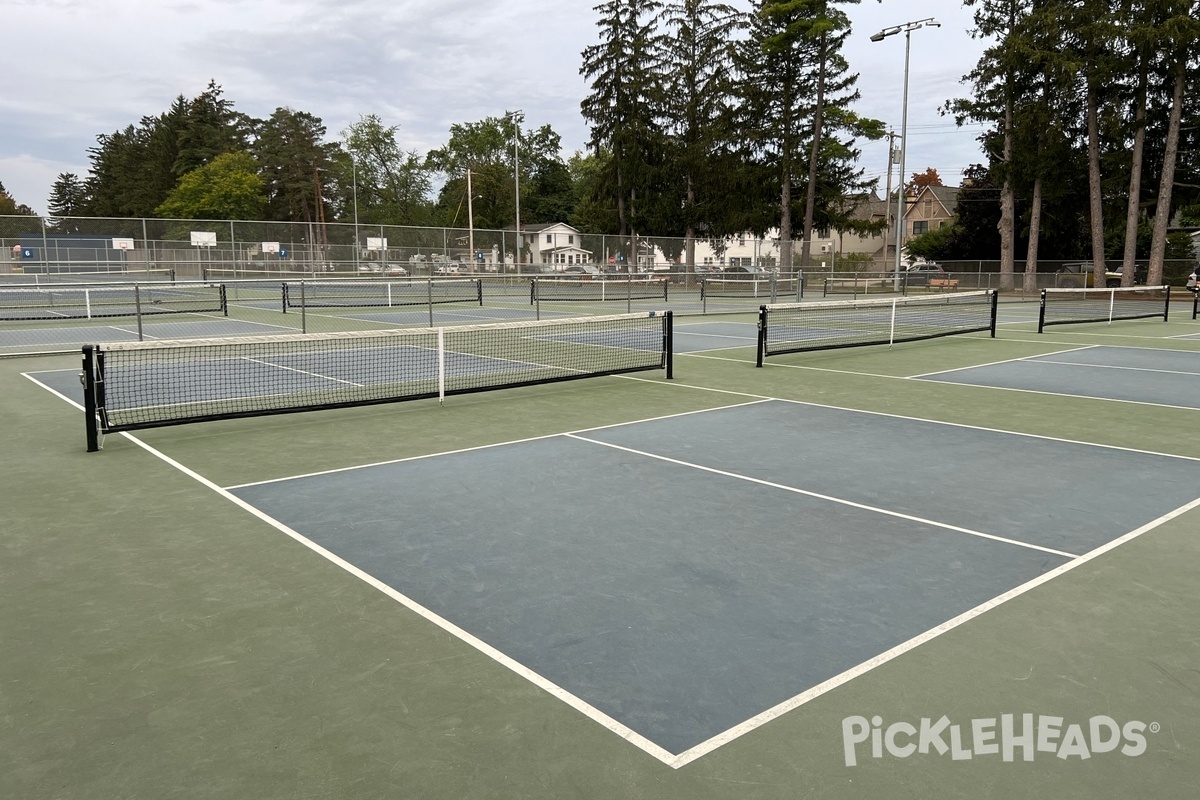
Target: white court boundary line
x,y
926,377
1040,360
483,647
751,724
1047,358
965,425
675,761
1047,393
492,445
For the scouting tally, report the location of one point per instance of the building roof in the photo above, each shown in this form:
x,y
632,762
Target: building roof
x,y
946,195
541,226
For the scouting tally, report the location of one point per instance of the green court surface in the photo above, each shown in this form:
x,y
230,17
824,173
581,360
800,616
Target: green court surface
x,y
162,637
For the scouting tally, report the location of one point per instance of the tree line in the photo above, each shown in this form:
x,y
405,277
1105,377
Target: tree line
x,y
710,119
1093,140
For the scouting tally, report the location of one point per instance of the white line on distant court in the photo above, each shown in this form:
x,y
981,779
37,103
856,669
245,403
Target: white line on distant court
x,y
1002,361
964,425
1097,398
1040,360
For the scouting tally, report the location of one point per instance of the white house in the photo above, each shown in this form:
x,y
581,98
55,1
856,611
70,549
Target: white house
x,y
555,244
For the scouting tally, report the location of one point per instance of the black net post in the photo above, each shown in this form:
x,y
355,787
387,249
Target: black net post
x,y
137,304
224,302
89,377
762,335
1167,307
669,344
1042,313
995,308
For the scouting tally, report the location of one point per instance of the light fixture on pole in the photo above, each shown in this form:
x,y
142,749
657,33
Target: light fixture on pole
x,y
907,29
516,117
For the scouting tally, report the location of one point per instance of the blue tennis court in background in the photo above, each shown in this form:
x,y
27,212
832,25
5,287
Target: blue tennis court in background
x,y
680,578
1139,375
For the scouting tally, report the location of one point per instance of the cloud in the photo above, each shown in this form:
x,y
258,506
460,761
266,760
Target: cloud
x,y
94,67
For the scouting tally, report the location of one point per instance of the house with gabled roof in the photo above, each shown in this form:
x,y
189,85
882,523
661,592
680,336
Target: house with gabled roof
x,y
933,207
555,244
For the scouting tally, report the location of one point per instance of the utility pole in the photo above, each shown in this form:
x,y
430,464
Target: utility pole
x,y
887,197
516,117
470,224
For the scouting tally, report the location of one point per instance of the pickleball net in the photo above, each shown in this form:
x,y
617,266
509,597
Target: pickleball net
x,y
1069,306
798,327
118,276
126,300
131,386
771,289
554,289
375,293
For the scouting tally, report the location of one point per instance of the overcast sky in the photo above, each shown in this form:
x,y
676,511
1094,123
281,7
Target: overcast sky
x,y
78,68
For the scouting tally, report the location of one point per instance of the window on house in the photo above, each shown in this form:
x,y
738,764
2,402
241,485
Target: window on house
x,y
570,238
920,226
549,238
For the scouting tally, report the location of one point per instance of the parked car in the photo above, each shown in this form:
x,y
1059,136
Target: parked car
x,y
394,269
920,274
583,271
1078,274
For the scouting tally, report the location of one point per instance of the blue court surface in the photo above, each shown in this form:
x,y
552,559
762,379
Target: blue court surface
x,y
443,315
1140,375
697,337
679,580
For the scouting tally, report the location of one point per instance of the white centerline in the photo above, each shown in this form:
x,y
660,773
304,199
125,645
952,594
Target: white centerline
x,y
828,498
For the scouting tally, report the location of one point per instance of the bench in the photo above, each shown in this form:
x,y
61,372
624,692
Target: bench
x,y
943,283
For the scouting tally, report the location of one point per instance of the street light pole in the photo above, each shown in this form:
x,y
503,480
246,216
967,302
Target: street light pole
x,y
907,29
